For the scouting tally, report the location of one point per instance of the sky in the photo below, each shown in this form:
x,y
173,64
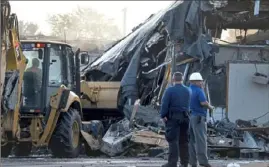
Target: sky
x,y
137,11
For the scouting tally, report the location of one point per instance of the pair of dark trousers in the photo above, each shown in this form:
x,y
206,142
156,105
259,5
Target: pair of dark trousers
x,y
177,136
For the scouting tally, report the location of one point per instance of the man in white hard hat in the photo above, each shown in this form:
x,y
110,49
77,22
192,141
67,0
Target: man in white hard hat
x,y
175,113
198,126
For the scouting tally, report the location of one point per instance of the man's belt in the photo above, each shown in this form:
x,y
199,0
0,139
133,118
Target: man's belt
x,y
178,115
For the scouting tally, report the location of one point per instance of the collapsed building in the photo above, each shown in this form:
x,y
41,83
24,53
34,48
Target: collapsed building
x,y
140,60
180,38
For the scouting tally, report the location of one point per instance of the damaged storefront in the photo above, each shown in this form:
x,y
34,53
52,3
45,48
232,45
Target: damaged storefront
x,y
177,39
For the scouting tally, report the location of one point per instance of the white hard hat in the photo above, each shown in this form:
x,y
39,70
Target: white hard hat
x,y
196,76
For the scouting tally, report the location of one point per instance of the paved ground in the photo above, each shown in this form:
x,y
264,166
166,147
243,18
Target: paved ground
x,y
109,162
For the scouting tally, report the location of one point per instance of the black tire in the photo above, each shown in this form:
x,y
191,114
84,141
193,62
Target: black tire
x,y
6,149
23,149
61,143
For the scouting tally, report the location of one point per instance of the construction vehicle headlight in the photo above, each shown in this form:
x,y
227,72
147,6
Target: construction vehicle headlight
x,y
40,45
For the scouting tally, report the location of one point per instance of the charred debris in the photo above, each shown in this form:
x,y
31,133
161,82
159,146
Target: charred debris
x,y
183,38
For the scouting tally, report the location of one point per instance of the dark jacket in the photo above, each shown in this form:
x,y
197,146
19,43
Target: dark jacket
x,y
175,99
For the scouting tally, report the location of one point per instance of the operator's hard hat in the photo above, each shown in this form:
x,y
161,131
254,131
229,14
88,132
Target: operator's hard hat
x,y
196,76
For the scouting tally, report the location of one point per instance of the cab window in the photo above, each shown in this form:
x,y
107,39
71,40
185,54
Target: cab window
x,y
32,80
55,67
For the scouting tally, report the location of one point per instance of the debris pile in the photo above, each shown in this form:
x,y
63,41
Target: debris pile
x,y
255,136
120,139
225,139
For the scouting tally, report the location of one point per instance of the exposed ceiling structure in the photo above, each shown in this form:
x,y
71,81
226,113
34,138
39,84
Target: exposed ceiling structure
x,y
240,14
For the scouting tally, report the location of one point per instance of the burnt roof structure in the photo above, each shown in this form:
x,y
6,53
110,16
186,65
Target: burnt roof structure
x,y
132,59
240,14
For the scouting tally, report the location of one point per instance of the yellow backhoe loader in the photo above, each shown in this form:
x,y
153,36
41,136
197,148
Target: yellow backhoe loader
x,y
50,109
13,64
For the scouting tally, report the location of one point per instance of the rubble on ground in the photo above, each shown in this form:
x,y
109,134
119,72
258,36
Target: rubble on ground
x,y
224,138
120,138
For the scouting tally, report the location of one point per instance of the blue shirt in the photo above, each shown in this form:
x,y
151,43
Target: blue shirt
x,y
197,97
175,99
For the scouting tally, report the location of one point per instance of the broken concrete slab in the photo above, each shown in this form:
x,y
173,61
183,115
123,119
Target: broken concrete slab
x,y
117,138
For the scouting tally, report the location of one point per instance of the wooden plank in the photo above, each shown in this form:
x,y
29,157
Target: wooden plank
x,y
149,138
149,134
150,141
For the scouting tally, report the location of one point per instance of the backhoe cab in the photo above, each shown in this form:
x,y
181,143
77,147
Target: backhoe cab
x,y
50,112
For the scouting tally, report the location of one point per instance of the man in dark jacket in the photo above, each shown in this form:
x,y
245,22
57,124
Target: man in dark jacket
x,y
175,113
35,69
32,84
